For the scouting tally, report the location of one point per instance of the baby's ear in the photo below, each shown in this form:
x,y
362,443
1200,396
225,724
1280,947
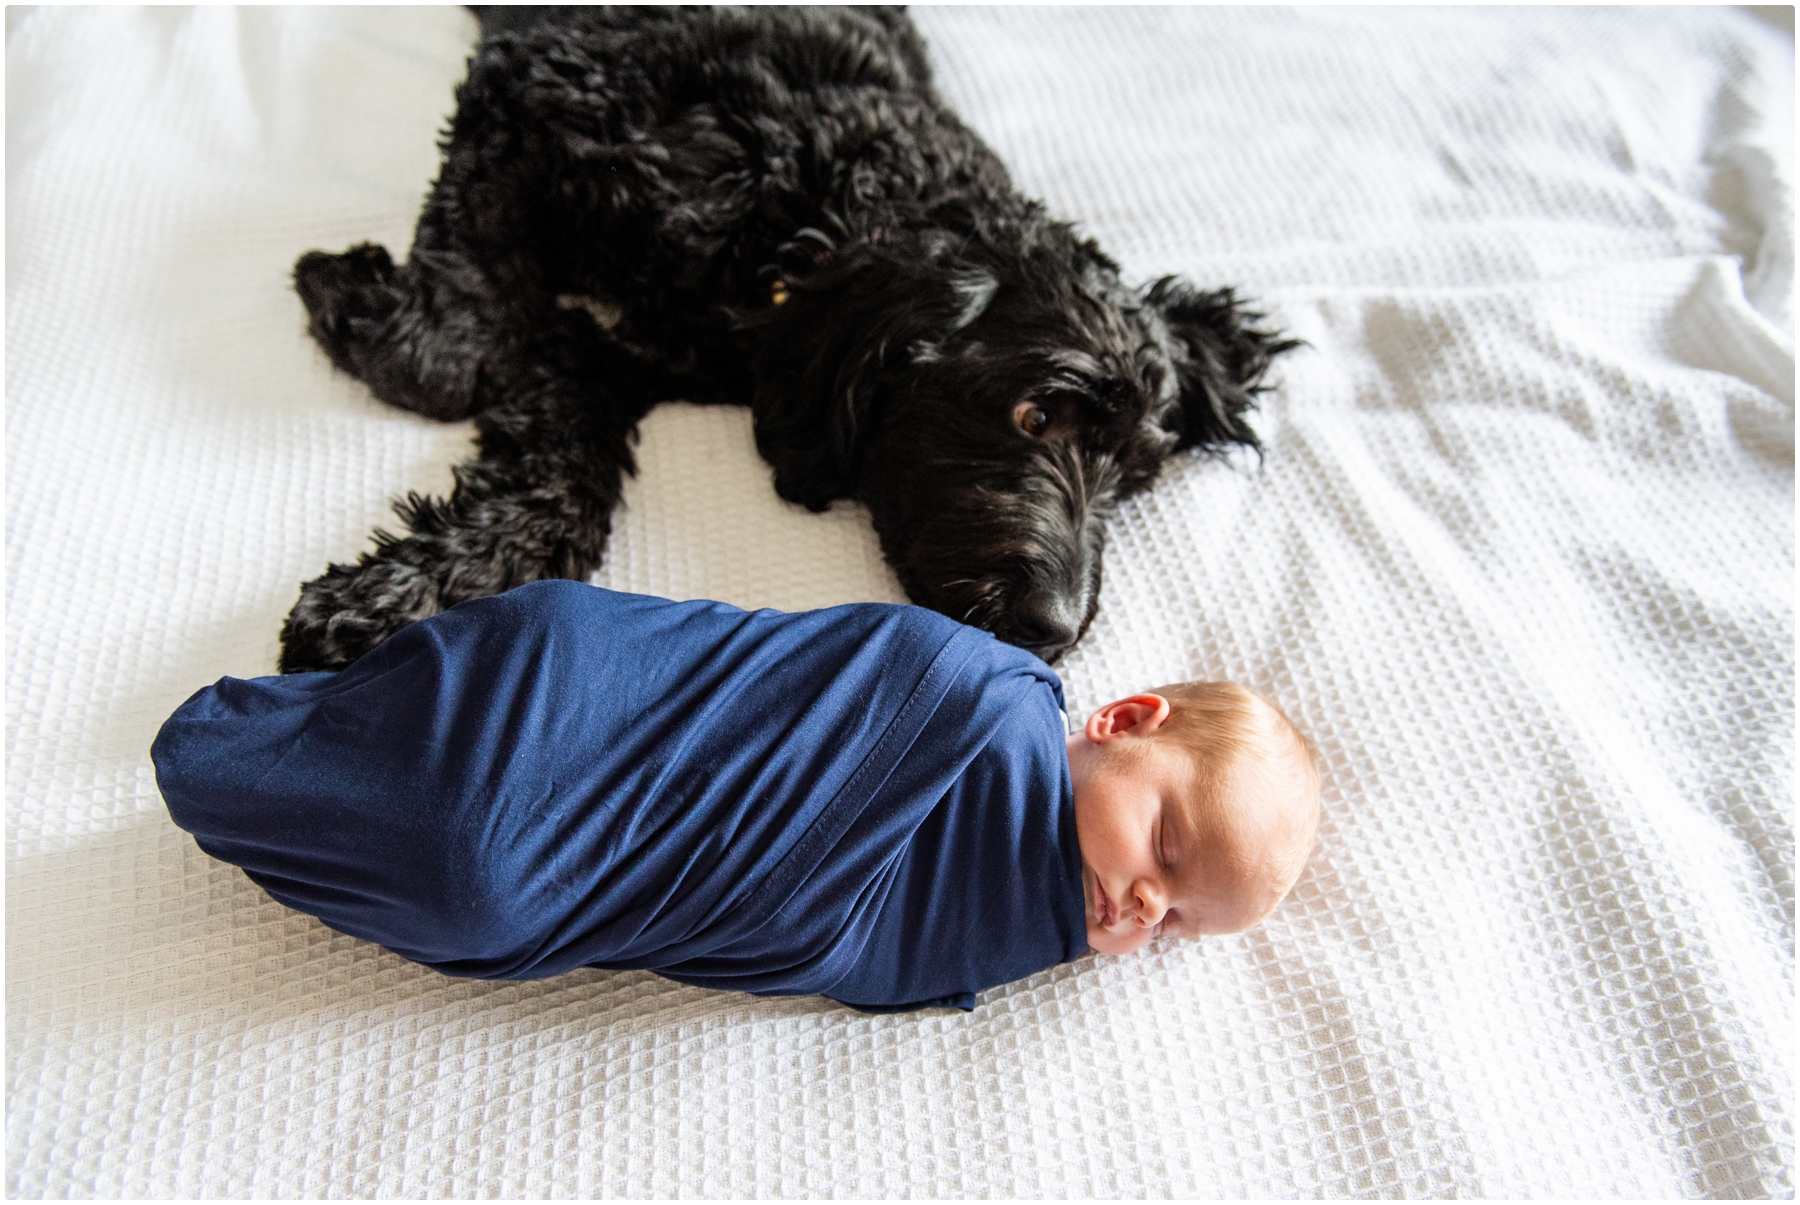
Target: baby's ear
x,y
1137,716
1220,353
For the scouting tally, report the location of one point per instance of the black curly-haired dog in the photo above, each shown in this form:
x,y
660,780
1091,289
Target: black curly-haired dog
x,y
773,207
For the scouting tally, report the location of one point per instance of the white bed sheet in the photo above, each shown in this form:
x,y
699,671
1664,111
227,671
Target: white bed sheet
x,y
1520,560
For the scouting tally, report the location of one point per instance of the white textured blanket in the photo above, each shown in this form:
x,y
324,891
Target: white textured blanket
x,y
1520,560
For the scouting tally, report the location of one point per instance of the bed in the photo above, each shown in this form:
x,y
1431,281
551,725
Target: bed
x,y
1519,560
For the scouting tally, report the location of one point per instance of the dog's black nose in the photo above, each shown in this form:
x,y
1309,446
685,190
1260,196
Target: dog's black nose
x,y
1045,623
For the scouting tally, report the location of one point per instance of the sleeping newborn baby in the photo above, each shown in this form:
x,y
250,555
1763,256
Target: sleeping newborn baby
x,y
872,802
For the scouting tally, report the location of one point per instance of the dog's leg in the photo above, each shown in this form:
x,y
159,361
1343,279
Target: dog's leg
x,y
421,334
491,253
536,503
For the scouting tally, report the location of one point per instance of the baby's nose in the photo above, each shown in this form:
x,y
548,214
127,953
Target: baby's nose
x,y
1150,906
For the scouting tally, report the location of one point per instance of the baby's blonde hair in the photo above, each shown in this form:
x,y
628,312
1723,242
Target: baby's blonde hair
x,y
1228,730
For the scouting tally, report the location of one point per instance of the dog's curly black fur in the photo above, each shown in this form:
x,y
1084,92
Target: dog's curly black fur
x,y
773,207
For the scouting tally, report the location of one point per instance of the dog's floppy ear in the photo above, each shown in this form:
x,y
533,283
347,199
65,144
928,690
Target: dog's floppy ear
x,y
837,332
1220,355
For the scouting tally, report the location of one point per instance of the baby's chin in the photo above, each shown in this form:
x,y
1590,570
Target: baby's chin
x,y
1105,941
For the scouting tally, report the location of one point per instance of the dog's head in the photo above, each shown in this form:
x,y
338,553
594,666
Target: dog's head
x,y
990,396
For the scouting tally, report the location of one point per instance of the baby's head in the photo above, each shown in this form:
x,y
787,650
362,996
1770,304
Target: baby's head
x,y
1195,806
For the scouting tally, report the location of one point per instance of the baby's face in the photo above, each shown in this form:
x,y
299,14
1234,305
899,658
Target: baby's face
x,y
1145,868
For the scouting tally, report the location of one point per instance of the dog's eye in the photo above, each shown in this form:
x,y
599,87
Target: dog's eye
x,y
1031,418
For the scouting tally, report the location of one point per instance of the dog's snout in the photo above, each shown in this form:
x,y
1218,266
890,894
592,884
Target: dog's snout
x,y
1047,622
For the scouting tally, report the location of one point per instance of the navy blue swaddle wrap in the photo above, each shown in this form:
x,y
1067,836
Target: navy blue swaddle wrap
x,y
870,801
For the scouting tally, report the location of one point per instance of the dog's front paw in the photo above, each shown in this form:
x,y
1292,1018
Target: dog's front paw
x,y
350,610
348,298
